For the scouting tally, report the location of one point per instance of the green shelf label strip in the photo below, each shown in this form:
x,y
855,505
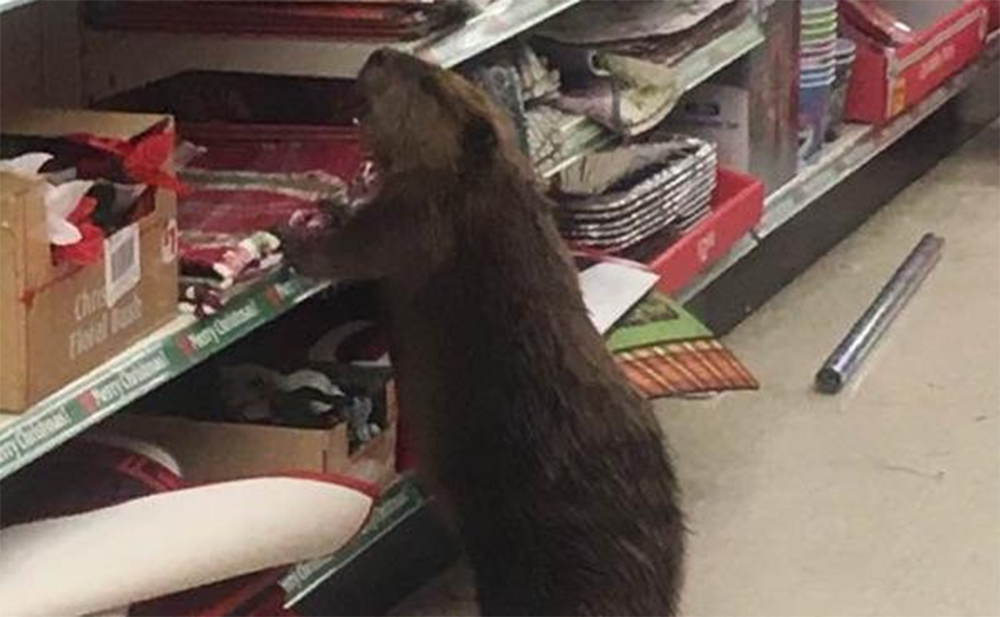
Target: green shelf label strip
x,y
148,364
399,502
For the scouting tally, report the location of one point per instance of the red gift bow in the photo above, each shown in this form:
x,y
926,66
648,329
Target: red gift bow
x,y
142,157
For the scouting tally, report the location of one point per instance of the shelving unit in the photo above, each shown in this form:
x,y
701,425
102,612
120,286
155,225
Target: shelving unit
x,y
399,503
177,347
697,67
857,145
159,357
6,5
163,355
109,64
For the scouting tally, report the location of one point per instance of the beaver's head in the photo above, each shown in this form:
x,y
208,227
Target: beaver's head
x,y
433,137
421,117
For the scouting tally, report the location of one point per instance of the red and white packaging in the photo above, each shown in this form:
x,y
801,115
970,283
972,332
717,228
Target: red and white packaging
x,y
887,80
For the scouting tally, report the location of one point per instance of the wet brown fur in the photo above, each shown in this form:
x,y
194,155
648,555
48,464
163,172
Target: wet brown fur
x,y
554,468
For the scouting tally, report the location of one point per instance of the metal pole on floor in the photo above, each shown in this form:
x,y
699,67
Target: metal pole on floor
x,y
845,360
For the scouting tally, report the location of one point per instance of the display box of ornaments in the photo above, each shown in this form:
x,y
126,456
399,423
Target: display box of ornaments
x,y
88,236
363,446
314,393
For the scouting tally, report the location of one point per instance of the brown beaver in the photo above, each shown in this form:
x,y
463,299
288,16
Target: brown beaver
x,y
552,466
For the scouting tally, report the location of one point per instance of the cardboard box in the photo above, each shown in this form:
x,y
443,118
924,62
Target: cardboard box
x,y
218,451
56,321
886,81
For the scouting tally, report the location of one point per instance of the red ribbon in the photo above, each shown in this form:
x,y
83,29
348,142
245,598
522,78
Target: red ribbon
x,y
142,157
90,248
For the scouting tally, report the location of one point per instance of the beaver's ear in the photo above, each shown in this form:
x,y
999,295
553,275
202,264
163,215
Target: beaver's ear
x,y
479,138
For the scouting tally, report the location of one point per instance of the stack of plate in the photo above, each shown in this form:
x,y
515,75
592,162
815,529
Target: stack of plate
x,y
818,37
843,64
671,192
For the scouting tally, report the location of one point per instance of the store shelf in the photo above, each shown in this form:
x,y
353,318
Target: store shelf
x,y
704,62
154,360
693,70
109,64
400,502
857,145
501,21
6,5
185,342
738,251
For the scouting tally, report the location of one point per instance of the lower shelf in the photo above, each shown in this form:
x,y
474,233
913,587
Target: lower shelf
x,y
857,145
159,357
400,502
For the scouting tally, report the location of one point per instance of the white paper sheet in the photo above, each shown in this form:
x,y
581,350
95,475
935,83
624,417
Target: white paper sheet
x,y
610,289
164,543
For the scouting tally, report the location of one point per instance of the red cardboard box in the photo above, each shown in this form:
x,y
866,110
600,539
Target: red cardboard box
x,y
884,82
736,209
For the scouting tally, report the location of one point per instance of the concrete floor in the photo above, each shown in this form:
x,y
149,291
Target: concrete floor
x,y
885,499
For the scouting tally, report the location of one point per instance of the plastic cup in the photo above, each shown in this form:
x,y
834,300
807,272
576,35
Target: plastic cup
x,y
844,48
816,53
817,69
843,65
816,20
823,32
814,113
